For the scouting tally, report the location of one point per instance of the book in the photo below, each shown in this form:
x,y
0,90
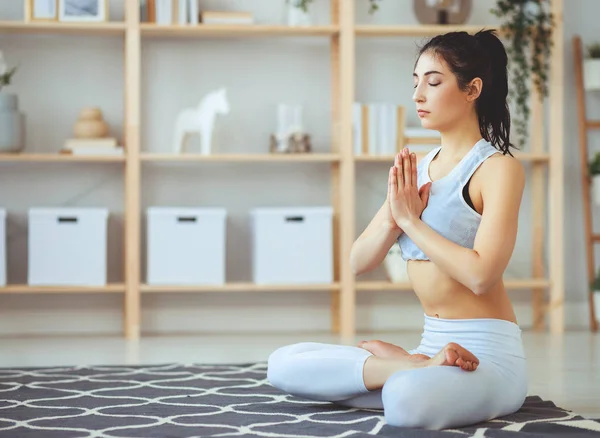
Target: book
x,y
226,17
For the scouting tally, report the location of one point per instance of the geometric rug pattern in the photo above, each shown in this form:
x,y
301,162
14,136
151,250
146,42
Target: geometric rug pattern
x,y
179,400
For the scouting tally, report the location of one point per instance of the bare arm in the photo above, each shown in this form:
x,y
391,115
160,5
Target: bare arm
x,y
483,266
371,247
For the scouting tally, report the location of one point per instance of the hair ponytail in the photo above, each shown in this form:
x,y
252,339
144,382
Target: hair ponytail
x,y
480,55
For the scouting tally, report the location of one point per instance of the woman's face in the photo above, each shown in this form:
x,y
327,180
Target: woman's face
x,y
440,104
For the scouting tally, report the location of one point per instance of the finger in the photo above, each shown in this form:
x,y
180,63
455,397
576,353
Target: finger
x,y
413,163
407,171
393,182
397,161
399,173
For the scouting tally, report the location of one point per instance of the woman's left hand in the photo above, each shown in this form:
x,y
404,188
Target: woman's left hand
x,y
407,202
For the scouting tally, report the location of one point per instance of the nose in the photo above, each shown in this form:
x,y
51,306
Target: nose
x,y
418,96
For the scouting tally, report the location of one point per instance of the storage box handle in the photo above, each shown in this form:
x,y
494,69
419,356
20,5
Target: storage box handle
x,y
294,219
69,219
186,219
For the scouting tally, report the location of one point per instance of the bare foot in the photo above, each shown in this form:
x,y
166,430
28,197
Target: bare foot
x,y
390,351
455,355
377,370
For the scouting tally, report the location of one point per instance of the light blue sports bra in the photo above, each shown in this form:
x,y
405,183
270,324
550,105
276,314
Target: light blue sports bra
x,y
447,211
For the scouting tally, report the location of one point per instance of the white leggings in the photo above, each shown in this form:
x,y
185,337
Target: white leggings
x,y
430,398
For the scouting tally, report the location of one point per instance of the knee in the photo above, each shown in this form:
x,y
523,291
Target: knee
x,y
409,403
280,365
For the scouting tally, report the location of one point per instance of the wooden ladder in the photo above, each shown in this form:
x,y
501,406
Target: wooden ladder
x,y
584,126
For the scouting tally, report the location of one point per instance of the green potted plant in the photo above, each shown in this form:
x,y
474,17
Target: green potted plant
x,y
12,122
528,26
591,67
594,173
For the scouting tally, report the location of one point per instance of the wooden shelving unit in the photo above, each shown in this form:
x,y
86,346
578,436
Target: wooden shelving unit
x,y
263,158
412,30
342,33
60,158
585,124
27,289
222,30
242,287
53,27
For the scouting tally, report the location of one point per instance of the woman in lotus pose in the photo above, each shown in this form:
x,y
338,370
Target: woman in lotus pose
x,y
454,215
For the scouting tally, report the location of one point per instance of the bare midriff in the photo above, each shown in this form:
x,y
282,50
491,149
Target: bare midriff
x,y
443,297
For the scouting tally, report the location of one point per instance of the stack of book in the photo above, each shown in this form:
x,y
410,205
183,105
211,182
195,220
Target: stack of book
x,y
380,129
92,146
186,12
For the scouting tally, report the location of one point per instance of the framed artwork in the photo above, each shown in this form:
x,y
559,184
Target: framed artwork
x,y
83,10
41,10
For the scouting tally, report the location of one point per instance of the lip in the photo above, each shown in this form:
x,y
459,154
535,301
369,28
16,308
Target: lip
x,y
422,112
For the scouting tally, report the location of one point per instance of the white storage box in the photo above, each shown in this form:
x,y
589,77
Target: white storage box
x,y
67,246
2,247
186,246
292,245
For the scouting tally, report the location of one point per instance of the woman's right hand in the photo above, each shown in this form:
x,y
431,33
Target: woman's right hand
x,y
389,219
423,194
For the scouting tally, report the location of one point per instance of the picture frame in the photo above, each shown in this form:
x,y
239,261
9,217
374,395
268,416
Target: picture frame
x,y
41,10
83,10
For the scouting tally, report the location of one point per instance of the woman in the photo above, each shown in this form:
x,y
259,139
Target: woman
x,y
455,217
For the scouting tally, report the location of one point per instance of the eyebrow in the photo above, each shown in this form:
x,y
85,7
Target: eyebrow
x,y
429,73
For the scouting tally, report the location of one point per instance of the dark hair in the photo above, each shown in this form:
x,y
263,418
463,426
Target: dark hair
x,y
480,55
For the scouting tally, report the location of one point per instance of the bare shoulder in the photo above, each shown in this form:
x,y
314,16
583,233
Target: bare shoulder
x,y
503,170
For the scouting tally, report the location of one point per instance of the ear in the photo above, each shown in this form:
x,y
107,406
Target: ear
x,y
474,89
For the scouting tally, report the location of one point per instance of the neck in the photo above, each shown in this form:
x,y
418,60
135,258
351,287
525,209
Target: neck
x,y
460,139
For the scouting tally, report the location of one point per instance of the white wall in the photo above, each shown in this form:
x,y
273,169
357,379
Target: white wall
x,y
58,75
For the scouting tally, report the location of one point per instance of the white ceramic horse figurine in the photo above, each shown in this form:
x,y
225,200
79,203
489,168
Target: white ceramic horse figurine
x,y
200,120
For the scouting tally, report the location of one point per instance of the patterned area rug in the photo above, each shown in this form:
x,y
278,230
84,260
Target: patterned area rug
x,y
176,400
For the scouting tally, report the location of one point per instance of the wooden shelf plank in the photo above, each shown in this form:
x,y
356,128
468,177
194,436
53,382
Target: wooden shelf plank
x,y
416,30
27,289
310,157
525,283
240,287
225,30
527,157
110,28
593,124
25,157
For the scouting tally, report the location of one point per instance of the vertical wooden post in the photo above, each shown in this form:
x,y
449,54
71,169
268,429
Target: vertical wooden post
x,y
347,206
132,169
336,191
556,174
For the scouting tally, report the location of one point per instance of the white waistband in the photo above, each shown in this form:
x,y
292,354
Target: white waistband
x,y
481,336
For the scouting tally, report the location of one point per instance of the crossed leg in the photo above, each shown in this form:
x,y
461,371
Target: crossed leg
x,y
335,373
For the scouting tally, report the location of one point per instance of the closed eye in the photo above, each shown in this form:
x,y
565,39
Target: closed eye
x,y
433,85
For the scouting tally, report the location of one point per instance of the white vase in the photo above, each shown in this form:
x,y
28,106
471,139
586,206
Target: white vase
x,y
596,189
596,300
12,124
591,74
395,266
295,16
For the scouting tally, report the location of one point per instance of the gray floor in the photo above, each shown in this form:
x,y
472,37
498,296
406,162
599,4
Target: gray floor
x,y
564,369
